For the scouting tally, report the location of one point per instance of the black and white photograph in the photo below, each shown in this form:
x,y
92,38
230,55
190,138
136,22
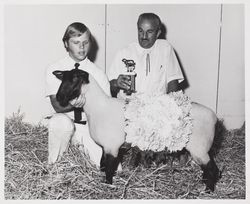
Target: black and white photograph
x,y
127,101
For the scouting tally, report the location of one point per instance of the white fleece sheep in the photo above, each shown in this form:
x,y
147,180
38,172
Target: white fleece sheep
x,y
106,121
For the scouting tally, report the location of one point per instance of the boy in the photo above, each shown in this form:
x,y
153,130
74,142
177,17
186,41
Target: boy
x,y
62,131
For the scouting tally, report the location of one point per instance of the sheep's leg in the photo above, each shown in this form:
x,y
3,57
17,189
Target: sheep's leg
x,y
135,157
211,174
210,170
160,157
147,158
102,163
111,164
207,164
200,142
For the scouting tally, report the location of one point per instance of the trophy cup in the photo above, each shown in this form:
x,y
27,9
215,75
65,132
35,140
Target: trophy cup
x,y
130,66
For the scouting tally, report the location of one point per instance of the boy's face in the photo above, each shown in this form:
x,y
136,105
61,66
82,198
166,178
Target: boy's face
x,y
78,47
148,32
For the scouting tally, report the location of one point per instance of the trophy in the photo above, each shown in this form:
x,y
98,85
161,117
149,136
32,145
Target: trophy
x,y
130,66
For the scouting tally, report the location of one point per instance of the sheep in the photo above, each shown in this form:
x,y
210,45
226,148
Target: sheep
x,y
105,117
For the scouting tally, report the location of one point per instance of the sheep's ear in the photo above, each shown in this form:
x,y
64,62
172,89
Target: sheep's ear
x,y
58,74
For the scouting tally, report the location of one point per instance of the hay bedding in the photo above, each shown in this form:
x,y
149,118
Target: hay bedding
x,y
28,176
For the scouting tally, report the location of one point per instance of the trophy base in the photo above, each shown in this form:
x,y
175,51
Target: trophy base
x,y
129,92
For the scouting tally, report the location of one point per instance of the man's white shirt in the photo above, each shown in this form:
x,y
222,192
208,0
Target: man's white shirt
x,y
164,66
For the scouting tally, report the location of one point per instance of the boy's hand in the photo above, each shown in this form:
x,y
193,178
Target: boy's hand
x,y
78,102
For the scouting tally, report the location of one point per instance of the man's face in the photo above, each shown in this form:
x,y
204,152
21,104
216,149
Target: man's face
x,y
148,32
78,47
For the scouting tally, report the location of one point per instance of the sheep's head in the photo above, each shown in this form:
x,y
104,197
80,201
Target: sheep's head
x,y
70,87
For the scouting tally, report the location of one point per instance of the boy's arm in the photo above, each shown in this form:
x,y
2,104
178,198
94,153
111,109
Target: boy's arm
x,y
57,107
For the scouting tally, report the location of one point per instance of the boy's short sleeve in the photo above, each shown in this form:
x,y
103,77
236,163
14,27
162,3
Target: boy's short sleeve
x,y
51,83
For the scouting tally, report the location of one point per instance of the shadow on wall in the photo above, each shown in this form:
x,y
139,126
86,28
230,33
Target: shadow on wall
x,y
163,32
184,84
94,48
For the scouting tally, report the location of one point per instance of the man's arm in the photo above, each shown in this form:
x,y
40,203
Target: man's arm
x,y
173,86
114,89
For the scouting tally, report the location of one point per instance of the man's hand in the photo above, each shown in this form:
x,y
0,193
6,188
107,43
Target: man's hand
x,y
78,102
123,82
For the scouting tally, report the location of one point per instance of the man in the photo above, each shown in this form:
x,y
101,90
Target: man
x,y
156,65
62,131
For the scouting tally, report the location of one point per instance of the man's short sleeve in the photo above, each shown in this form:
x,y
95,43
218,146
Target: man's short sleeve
x,y
173,68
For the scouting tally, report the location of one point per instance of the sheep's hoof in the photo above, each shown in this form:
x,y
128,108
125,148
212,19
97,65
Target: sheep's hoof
x,y
105,180
207,190
209,187
109,181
